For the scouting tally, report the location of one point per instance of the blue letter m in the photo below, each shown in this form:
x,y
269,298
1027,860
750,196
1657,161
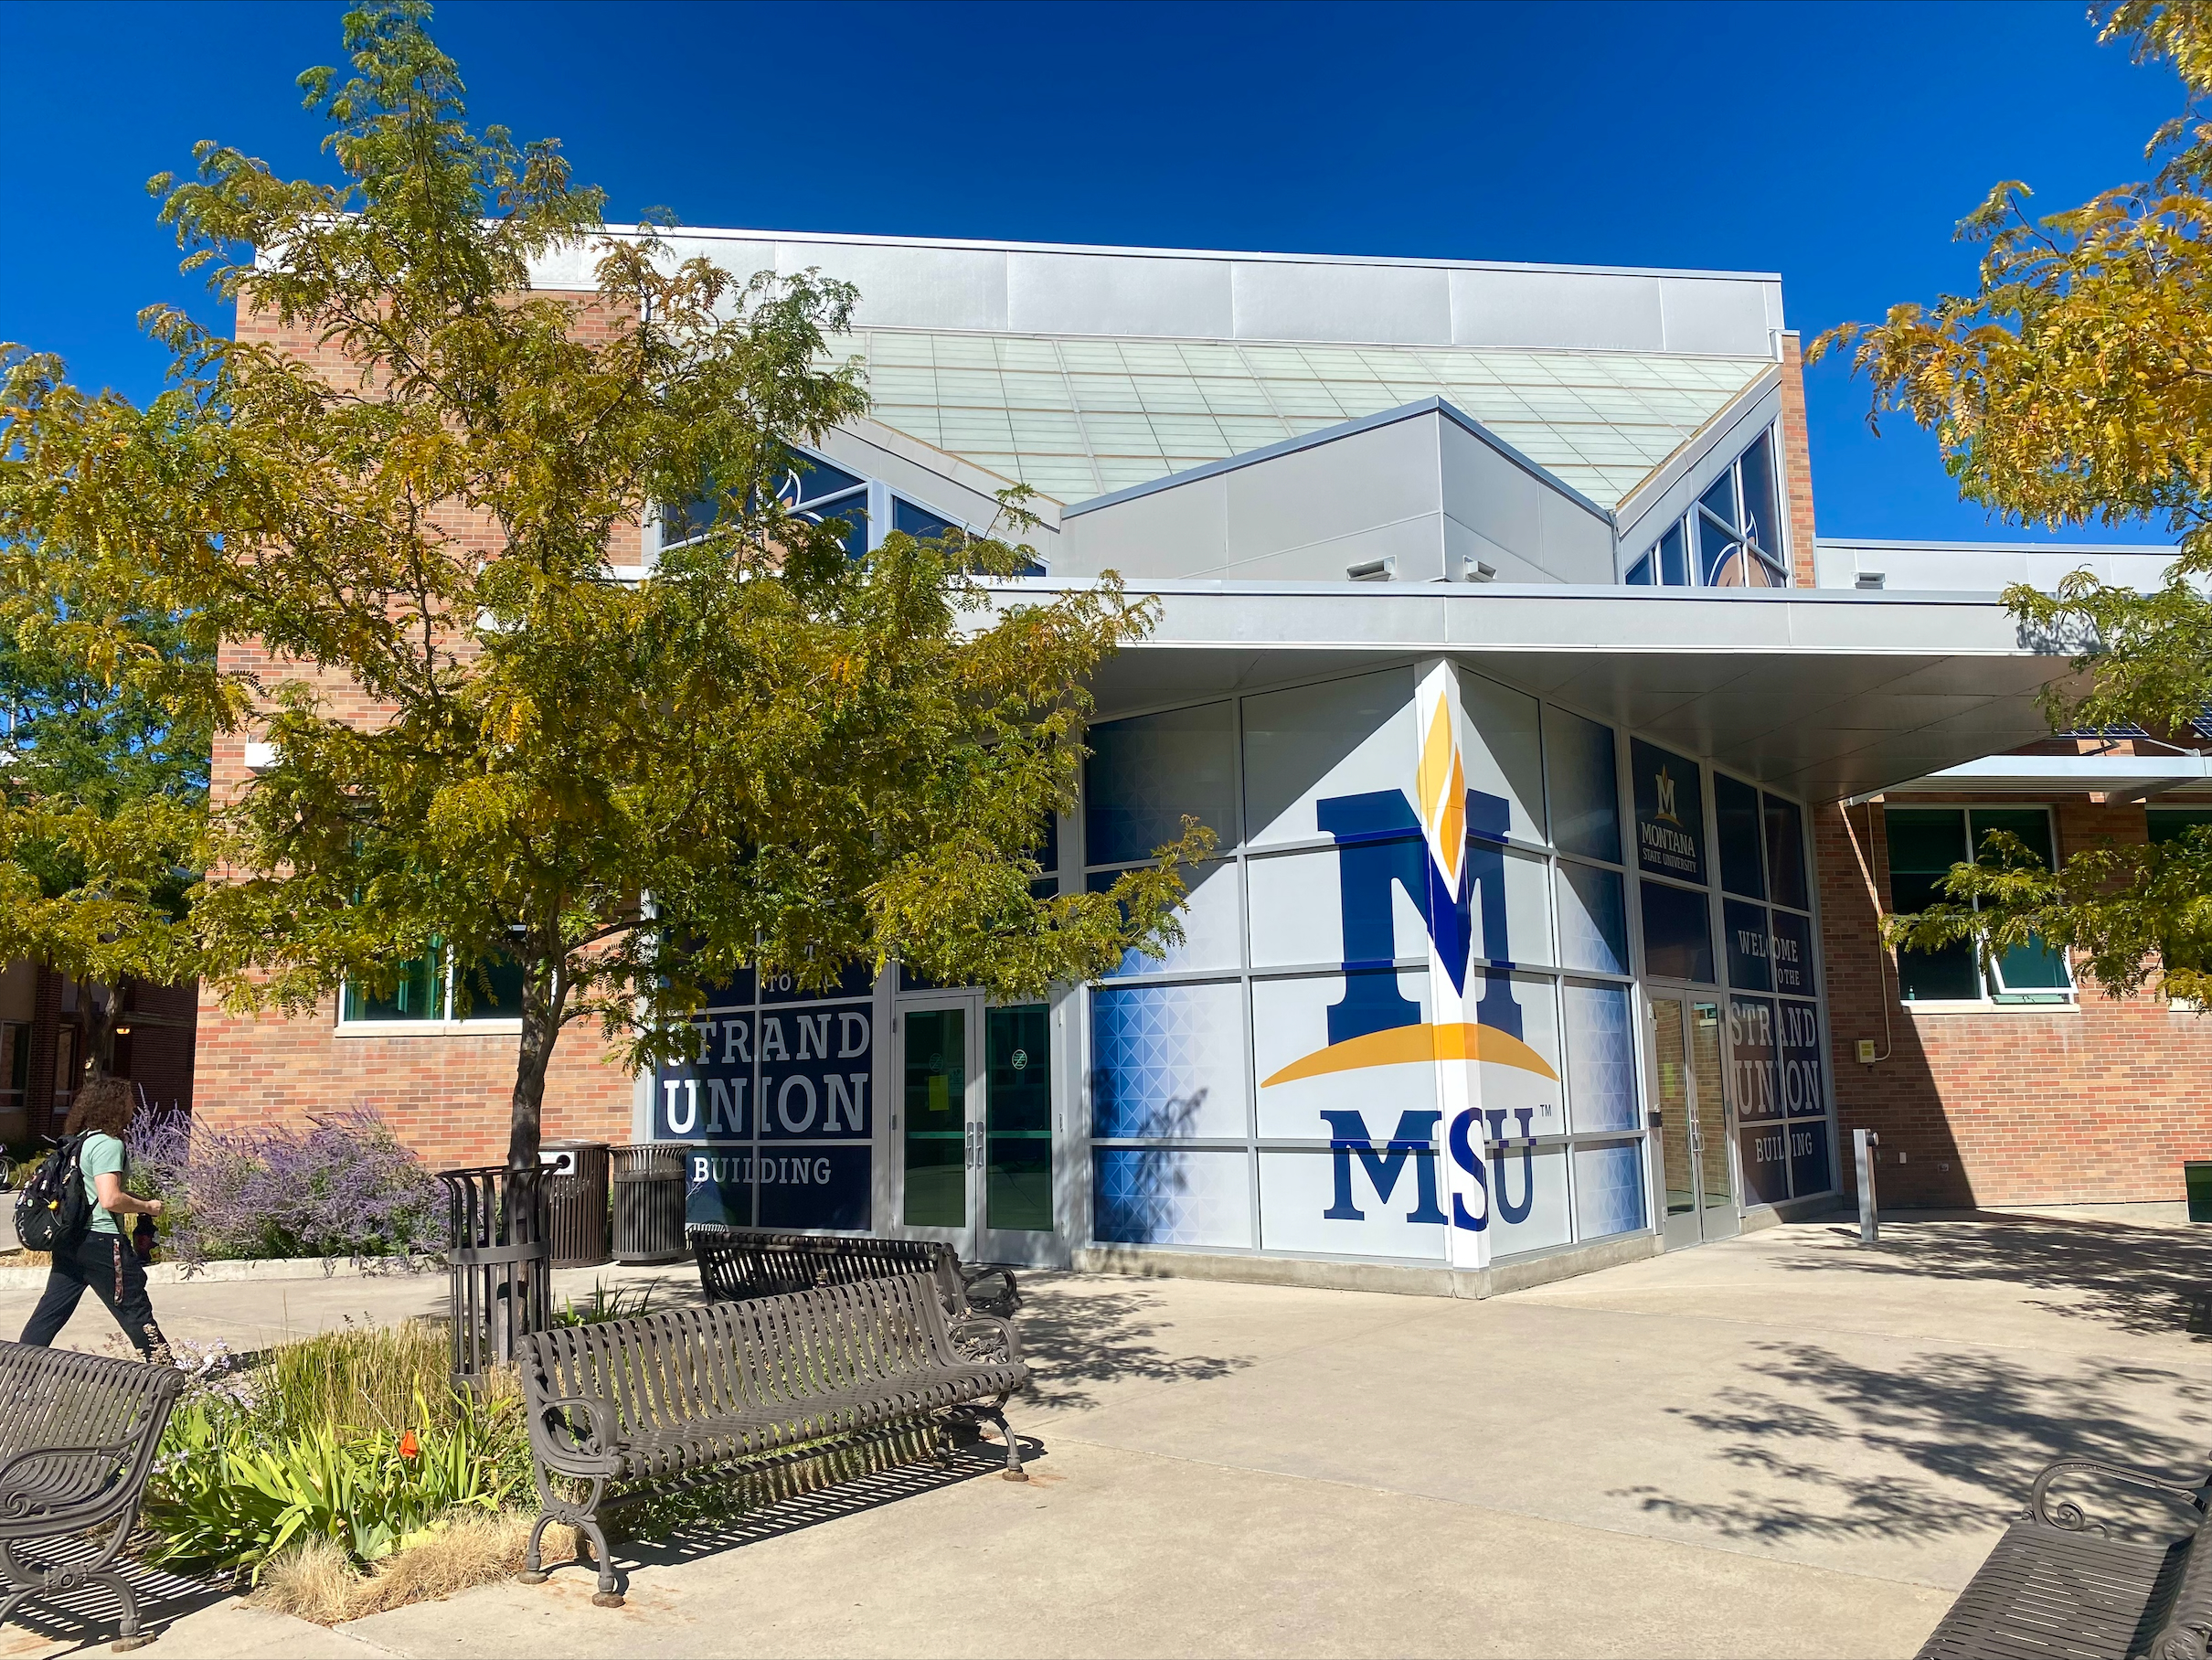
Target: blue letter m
x,y
1348,1136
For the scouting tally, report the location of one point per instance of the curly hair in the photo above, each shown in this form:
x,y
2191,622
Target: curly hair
x,y
104,1104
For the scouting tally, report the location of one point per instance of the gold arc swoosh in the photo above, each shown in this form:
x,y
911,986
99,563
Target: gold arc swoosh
x,y
1401,1044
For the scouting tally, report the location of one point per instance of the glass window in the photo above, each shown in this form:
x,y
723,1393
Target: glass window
x,y
1504,759
1924,843
1803,1096
1735,828
1789,953
1760,521
1146,773
489,990
852,512
1746,945
1674,560
2168,823
1601,1055
1585,791
918,522
1670,813
1594,919
812,479
1677,934
1719,500
419,996
1609,1189
1786,853
1640,573
1717,547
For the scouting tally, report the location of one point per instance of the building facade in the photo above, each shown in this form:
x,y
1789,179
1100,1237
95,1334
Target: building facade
x,y
1495,647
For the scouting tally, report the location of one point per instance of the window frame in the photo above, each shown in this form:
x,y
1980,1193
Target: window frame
x,y
444,1021
1991,991
1766,547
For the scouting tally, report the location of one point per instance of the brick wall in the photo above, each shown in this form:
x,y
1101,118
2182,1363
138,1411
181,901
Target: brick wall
x,y
446,1092
1797,461
2018,1106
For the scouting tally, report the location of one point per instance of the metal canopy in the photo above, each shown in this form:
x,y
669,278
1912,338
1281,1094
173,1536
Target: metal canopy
x,y
1819,694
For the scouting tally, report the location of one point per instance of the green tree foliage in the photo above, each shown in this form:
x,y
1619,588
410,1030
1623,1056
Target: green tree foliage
x,y
761,751
2074,385
103,801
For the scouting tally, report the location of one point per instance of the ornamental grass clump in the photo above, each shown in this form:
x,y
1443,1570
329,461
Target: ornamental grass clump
x,y
343,1185
351,1446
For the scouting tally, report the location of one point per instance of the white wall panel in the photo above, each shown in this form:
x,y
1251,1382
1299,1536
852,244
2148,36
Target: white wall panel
x,y
1594,311
911,287
1064,293
1382,303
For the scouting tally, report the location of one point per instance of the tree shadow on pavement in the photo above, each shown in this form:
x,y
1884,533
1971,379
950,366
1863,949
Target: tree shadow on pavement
x,y
1971,1430
2135,1279
1073,1339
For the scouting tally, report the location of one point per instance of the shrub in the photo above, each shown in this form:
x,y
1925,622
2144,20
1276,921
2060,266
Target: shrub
x,y
343,1187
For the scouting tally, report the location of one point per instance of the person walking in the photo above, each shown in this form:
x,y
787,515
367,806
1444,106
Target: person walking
x,y
100,1255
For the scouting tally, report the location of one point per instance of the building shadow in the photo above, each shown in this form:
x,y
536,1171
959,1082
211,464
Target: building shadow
x,y
1076,1339
2141,1281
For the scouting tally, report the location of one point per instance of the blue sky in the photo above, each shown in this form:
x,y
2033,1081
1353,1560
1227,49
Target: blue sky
x,y
1836,143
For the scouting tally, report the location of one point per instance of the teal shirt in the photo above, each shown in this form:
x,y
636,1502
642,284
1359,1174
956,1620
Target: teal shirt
x,y
100,1154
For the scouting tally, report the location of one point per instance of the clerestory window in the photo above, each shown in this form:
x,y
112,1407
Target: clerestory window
x,y
1730,538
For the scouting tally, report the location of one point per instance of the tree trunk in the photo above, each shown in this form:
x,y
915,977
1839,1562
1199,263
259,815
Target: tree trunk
x,y
542,1000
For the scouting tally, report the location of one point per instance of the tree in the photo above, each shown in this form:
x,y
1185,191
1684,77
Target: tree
x,y
2075,384
624,784
102,802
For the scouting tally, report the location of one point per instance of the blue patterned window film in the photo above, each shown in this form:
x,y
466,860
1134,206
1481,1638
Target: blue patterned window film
x,y
1212,923
1594,919
1601,1056
1167,1061
1172,1196
1609,1189
1585,793
1146,773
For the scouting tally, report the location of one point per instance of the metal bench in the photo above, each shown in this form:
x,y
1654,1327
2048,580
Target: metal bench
x,y
77,1440
2056,1588
737,1264
632,1408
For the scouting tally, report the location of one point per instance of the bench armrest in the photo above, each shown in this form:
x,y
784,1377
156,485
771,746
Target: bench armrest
x,y
985,1337
597,1443
2066,1516
17,1502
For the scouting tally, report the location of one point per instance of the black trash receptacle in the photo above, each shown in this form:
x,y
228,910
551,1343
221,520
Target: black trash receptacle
x,y
576,1195
649,1202
2196,1182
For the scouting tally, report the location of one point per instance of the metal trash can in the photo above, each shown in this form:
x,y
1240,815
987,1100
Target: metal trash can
x,y
649,1202
576,1195
2197,1179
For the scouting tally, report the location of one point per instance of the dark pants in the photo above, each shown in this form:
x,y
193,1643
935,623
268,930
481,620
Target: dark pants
x,y
106,1262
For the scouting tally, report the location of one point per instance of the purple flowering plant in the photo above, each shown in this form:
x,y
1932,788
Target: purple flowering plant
x,y
343,1185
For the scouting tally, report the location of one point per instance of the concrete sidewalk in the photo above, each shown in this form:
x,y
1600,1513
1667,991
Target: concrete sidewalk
x,y
1784,1444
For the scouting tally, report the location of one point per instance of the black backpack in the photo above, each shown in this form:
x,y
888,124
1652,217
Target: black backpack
x,y
51,1211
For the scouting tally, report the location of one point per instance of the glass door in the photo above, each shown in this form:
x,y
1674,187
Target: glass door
x,y
1714,1133
974,1127
1014,1195
1692,1120
933,1128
